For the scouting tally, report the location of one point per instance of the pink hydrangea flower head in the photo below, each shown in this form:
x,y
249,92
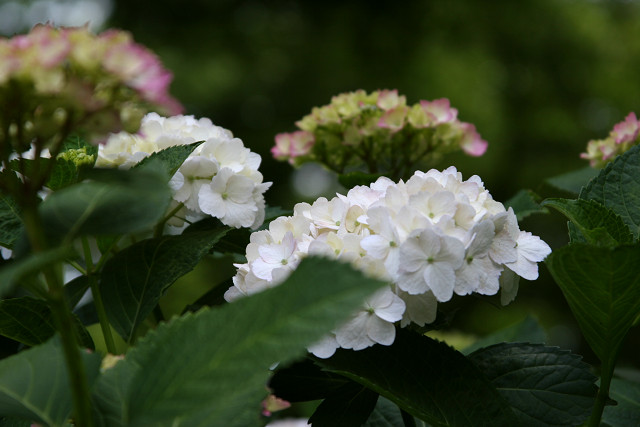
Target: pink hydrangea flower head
x,y
439,111
471,142
626,131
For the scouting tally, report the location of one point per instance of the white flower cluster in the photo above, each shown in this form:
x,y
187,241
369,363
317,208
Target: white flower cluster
x,y
430,237
220,178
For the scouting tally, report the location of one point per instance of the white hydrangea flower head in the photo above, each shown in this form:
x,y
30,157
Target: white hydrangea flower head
x,y
430,238
220,178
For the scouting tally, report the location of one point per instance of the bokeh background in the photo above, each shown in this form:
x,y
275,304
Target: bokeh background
x,y
538,78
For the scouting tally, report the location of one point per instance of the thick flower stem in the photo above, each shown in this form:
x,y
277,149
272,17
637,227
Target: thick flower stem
x,y
63,321
603,394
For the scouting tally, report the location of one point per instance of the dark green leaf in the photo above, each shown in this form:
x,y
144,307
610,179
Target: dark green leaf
x,y
602,287
13,272
30,321
14,422
627,411
170,158
213,297
385,414
598,225
527,330
525,203
618,188
212,366
112,202
133,281
355,178
544,385
34,384
348,406
573,182
304,381
10,221
426,378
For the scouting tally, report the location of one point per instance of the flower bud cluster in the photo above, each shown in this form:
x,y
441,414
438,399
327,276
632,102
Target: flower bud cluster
x,y
430,237
220,178
378,130
55,79
623,136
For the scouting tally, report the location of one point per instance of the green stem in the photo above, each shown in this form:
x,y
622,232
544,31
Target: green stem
x,y
97,299
102,315
63,320
606,374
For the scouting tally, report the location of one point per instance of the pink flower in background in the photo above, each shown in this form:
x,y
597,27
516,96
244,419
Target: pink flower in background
x,y
471,142
292,145
626,131
439,111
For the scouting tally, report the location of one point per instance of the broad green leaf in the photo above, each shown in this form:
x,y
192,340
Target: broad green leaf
x,y
170,158
10,221
525,203
133,281
544,385
212,366
34,384
385,414
30,321
597,224
348,406
12,272
426,378
112,202
602,287
618,188
627,411
527,330
573,181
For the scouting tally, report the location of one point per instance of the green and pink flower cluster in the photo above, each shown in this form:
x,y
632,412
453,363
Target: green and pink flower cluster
x,y
380,131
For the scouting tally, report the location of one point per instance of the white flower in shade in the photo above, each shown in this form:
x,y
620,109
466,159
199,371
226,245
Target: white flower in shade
x,y
429,238
429,262
373,323
229,197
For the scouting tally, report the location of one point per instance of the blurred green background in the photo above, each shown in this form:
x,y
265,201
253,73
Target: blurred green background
x,y
538,78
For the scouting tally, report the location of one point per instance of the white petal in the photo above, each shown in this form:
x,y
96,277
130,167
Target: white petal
x,y
524,268
381,331
393,310
509,284
210,202
532,247
440,278
421,309
324,348
376,246
413,282
353,334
